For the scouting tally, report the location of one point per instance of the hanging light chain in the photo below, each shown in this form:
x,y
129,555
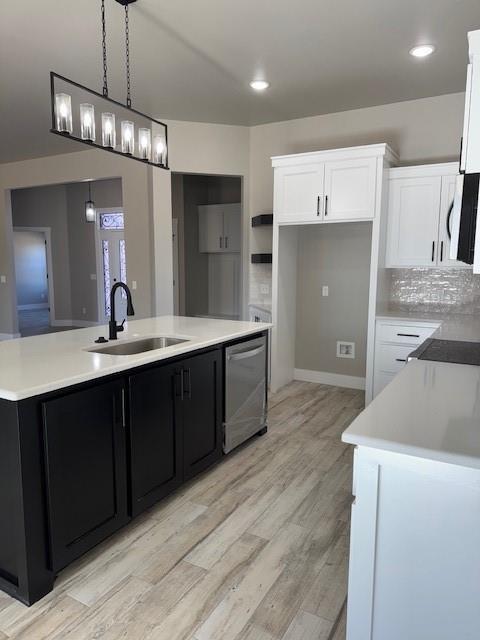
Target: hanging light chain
x,y
104,51
127,56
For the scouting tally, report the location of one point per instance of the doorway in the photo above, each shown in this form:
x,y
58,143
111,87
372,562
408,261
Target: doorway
x,y
111,261
34,279
207,212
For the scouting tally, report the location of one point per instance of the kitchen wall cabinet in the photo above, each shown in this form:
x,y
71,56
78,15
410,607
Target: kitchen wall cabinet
x,y
201,412
155,435
327,190
85,469
470,157
219,228
420,199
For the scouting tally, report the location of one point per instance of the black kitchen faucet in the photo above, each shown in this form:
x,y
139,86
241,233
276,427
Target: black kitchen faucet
x,y
113,327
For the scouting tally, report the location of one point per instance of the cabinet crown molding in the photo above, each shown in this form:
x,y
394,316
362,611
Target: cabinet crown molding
x,y
345,153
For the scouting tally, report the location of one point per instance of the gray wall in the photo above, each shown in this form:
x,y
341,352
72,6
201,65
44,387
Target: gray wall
x,y
30,268
47,207
337,255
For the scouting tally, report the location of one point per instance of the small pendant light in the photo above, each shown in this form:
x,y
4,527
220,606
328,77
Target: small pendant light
x,y
90,213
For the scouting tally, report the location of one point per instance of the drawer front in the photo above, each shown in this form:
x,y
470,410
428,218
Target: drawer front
x,y
381,381
405,334
391,358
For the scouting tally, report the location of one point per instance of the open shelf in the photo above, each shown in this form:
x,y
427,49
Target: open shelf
x,y
264,219
261,258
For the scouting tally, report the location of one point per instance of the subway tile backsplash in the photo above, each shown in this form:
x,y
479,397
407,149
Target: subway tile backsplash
x,y
260,274
435,291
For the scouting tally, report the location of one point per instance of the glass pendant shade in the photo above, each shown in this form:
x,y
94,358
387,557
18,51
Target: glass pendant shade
x,y
159,149
90,213
63,112
128,137
145,143
87,121
108,130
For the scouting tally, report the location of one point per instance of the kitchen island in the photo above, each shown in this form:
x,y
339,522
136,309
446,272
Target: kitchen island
x,y
89,438
415,554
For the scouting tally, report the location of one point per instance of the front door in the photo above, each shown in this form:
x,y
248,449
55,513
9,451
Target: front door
x,y
111,263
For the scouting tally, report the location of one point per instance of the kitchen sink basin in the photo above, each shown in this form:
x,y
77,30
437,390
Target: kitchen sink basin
x,y
138,346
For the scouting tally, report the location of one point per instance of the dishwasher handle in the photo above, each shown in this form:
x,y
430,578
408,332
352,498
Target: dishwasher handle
x,y
241,355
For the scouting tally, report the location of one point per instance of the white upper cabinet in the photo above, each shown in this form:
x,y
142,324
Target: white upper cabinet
x,y
470,159
326,186
413,210
299,193
350,189
419,203
219,228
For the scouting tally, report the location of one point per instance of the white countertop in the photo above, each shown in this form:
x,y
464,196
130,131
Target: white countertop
x,y
39,364
430,410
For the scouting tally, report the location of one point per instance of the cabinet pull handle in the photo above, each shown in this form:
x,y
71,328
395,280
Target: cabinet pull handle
x,y
187,384
408,335
179,375
441,251
433,251
221,242
401,359
449,233
326,206
318,205
124,421
226,242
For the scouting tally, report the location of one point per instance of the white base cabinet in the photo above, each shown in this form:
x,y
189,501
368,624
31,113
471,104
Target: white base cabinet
x,y
414,569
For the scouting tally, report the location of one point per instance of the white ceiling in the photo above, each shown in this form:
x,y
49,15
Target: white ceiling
x,y
193,59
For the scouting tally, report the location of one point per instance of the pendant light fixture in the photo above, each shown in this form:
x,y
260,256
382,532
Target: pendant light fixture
x,y
90,212
136,129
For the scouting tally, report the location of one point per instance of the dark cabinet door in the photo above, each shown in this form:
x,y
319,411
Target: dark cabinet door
x,y
202,411
85,466
155,446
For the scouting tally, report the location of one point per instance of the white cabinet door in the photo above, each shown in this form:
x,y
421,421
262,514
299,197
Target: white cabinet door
x,y
350,187
448,192
413,213
224,286
299,193
232,227
210,228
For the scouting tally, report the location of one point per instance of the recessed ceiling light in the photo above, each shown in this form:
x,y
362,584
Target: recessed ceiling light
x,y
422,50
259,85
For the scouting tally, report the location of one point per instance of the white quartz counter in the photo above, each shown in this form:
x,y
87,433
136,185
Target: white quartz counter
x,y
430,410
39,364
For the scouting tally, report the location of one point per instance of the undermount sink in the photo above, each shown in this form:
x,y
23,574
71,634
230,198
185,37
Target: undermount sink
x,y
138,346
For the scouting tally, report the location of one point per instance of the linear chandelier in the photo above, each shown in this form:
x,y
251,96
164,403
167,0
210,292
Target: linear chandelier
x,y
98,112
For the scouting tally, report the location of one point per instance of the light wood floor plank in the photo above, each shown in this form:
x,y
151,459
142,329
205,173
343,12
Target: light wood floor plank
x,y
306,626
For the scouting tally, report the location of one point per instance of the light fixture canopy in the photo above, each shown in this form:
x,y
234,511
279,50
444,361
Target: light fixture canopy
x,y
422,50
63,91
259,85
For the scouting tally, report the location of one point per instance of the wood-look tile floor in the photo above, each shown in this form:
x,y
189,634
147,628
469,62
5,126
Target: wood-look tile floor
x,y
254,549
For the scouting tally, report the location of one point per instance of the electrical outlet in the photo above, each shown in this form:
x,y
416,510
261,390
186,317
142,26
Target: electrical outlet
x,y
325,291
345,349
134,284
93,276
84,311
265,289
3,279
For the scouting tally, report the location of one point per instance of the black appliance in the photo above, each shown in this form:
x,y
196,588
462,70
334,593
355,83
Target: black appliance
x,y
468,218
455,351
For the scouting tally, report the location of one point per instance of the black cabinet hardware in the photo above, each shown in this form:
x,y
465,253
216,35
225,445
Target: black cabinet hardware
x,y
449,233
187,384
318,205
408,335
433,251
401,359
326,206
441,251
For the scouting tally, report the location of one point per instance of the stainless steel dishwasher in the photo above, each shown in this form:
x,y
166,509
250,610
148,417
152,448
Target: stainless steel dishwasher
x,y
245,391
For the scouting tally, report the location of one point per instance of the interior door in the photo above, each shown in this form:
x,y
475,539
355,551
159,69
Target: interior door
x,y
299,193
445,224
350,187
111,264
413,214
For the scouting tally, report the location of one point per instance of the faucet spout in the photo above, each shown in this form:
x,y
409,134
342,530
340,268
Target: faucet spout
x,y
112,325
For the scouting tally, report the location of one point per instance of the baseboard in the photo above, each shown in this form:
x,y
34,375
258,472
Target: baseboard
x,y
9,336
334,379
32,307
